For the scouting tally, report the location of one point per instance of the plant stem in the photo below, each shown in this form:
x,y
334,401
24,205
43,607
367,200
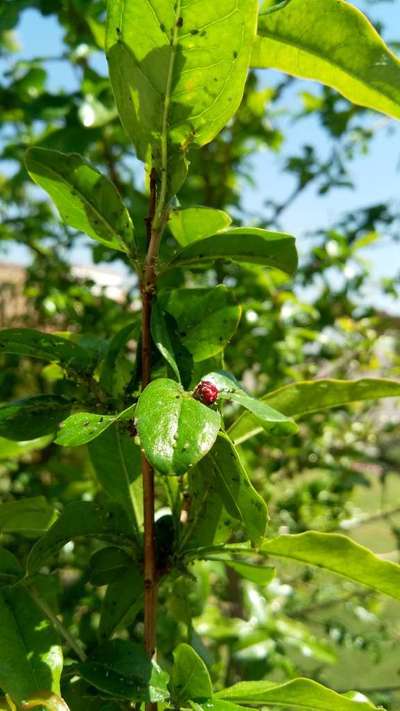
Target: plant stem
x,y
150,573
155,222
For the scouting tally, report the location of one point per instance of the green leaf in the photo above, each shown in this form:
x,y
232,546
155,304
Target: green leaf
x,y
338,554
30,656
28,517
82,519
299,399
190,679
86,200
162,339
46,346
269,418
241,244
208,520
194,223
122,602
240,498
107,564
205,319
337,46
178,71
32,417
15,450
10,568
116,370
175,430
83,427
258,574
121,668
295,694
116,461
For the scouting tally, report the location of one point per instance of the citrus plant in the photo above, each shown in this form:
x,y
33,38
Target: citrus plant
x,y
168,431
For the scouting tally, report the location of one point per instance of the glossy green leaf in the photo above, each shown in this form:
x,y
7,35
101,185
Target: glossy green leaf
x,y
190,679
269,418
86,200
122,602
205,319
240,498
83,427
178,72
116,461
295,694
46,346
241,244
81,519
121,668
30,655
338,554
32,417
28,516
299,399
10,568
175,430
337,46
194,223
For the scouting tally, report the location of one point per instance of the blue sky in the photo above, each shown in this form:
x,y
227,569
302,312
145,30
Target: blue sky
x,y
375,175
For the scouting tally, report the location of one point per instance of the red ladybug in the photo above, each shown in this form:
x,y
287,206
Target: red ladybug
x,y
206,392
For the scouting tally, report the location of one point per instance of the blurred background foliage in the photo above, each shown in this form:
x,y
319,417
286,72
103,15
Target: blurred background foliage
x,y
338,320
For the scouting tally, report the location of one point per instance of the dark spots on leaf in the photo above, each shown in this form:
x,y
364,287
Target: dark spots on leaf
x,y
118,31
235,55
101,419
194,32
179,22
162,27
203,33
86,424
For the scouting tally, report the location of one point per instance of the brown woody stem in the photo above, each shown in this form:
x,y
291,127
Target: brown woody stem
x,y
148,288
